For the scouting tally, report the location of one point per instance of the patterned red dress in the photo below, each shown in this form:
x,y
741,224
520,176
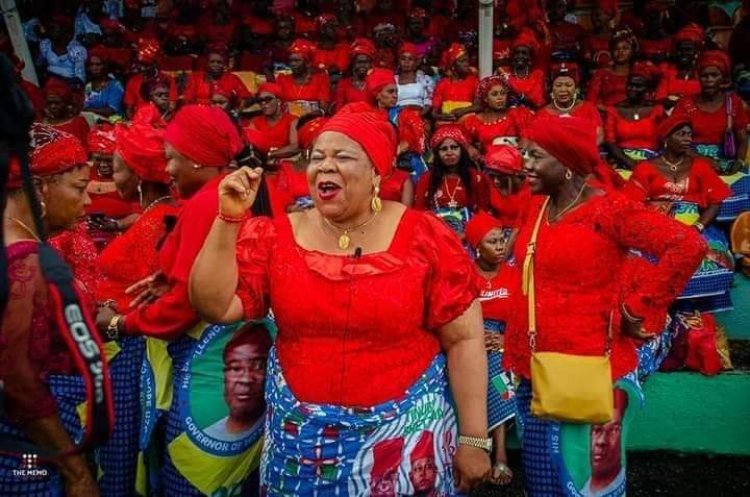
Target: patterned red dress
x,y
578,263
133,255
344,322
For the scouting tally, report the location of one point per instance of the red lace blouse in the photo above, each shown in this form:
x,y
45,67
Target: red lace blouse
x,y
79,251
355,332
317,89
606,87
702,185
579,280
347,93
513,123
629,133
132,256
584,110
672,85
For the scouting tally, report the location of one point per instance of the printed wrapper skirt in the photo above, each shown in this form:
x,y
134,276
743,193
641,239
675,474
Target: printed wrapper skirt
x,y
501,402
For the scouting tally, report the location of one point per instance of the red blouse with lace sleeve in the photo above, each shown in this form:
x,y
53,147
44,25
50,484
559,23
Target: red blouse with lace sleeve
x,y
348,323
133,255
579,279
79,251
30,345
702,185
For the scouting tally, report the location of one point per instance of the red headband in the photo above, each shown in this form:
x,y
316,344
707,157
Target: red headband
x,y
572,141
372,131
272,88
142,148
478,227
205,135
452,131
453,53
646,70
691,32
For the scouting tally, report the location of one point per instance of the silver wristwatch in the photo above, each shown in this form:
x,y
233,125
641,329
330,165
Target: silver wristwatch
x,y
477,442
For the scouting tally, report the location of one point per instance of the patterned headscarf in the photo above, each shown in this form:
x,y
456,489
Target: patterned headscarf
x,y
102,139
303,48
54,151
487,83
452,131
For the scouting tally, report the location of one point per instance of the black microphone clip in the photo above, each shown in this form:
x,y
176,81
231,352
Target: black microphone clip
x,y
358,252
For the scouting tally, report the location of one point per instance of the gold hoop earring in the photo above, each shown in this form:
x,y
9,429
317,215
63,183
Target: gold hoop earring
x,y
568,175
376,204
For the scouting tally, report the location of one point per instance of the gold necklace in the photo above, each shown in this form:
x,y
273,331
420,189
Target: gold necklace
x,y
452,195
344,238
153,203
25,228
567,207
673,166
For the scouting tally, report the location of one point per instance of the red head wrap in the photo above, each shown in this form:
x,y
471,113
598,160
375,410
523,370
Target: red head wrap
x,y
56,87
691,33
102,139
452,131
205,135
487,83
526,38
326,18
272,88
672,124
53,151
310,131
424,449
148,50
142,148
646,70
503,159
408,47
386,458
453,53
303,48
478,227
100,51
111,25
374,133
571,141
363,46
715,58
378,79
566,69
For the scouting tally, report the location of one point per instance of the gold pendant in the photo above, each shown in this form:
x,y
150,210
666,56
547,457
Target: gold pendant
x,y
344,241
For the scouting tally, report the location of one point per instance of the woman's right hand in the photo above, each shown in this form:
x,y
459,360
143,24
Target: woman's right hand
x,y
238,190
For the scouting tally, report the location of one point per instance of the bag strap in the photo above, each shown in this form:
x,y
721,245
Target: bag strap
x,y
528,276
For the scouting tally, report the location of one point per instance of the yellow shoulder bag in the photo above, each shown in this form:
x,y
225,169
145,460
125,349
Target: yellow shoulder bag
x,y
565,387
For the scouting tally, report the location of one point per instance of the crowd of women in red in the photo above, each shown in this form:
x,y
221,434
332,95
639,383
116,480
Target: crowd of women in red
x,y
323,209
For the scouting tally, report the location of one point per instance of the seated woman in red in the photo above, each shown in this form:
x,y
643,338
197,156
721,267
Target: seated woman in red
x,y
200,83
317,269
680,79
201,142
497,123
488,237
278,126
292,180
455,93
687,188
566,100
41,384
454,189
354,87
305,90
630,132
526,81
136,90
330,55
607,86
59,112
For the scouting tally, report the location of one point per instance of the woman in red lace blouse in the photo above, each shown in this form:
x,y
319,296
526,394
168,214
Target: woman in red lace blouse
x,y
454,188
631,125
607,85
497,123
35,364
583,241
304,90
362,296
455,93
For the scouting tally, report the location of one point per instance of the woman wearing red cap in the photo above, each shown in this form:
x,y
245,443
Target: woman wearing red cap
x,y
497,122
566,101
687,187
454,188
354,87
304,90
489,238
362,297
631,127
59,111
415,88
455,92
41,384
200,83
526,82
278,126
200,144
581,296
608,84
680,79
